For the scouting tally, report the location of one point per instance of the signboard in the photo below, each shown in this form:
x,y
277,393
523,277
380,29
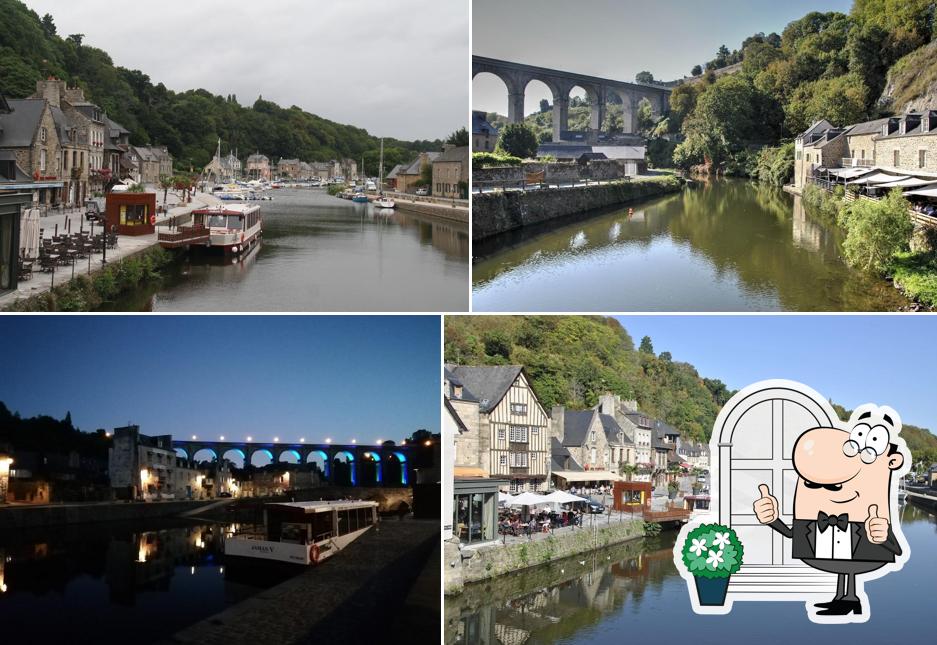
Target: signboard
x,y
295,553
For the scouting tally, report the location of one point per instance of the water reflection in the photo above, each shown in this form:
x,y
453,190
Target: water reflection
x,y
725,246
321,253
633,592
115,577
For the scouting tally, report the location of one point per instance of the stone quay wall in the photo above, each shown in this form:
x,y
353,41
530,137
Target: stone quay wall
x,y
467,565
21,517
554,171
498,212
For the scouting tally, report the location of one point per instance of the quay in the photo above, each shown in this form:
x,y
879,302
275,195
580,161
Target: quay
x,y
386,578
926,497
127,247
18,517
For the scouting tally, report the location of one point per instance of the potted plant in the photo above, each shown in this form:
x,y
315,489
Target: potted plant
x,y
712,553
673,487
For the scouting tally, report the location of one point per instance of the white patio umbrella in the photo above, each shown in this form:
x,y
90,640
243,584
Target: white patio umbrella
x,y
505,498
562,497
29,232
528,499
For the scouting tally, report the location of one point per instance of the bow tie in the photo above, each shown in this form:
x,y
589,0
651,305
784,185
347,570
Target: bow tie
x,y
839,521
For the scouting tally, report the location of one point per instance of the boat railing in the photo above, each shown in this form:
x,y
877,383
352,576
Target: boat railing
x,y
185,234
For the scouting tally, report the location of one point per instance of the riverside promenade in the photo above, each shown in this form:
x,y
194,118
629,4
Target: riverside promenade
x,y
127,246
387,578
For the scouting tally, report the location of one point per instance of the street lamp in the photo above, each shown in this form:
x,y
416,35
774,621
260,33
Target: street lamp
x,y
302,440
276,440
222,437
354,441
328,440
249,439
194,437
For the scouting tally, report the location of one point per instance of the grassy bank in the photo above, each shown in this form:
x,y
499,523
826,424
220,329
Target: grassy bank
x,y
87,293
916,275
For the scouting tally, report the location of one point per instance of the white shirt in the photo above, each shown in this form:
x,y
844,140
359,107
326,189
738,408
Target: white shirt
x,y
833,543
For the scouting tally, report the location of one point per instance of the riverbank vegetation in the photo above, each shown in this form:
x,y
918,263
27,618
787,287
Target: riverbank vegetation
x,y
189,123
88,293
879,238
572,360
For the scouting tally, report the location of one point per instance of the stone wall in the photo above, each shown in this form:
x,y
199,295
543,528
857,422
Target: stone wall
x,y
20,517
555,172
497,212
489,561
908,148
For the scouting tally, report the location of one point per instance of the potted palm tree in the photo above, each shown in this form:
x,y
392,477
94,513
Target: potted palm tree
x,y
712,553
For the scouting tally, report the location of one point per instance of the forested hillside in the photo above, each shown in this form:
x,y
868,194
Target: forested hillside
x,y
189,123
572,360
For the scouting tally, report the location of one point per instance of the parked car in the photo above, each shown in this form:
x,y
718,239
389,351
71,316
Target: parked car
x,y
422,192
594,506
93,212
224,494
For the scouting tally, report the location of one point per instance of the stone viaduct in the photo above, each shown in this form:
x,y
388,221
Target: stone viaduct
x,y
516,77
392,461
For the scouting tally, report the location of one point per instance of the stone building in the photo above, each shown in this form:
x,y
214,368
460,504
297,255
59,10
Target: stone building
x,y
695,453
593,444
860,139
451,173
150,163
484,135
258,167
223,169
116,149
821,146
409,178
288,168
908,142
390,181
29,140
513,437
140,467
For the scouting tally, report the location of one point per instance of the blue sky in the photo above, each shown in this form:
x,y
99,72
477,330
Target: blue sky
x,y
618,38
344,377
888,360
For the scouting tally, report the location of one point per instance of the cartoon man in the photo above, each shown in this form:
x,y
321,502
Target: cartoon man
x,y
841,503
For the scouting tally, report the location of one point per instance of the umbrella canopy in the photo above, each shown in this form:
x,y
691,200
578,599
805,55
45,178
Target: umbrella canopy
x,y
562,497
924,192
528,499
880,178
849,173
29,232
911,182
505,498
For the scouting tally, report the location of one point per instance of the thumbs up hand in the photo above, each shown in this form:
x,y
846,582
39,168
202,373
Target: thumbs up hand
x,y
766,507
876,528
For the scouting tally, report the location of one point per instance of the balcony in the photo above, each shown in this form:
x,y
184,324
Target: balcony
x,y
848,162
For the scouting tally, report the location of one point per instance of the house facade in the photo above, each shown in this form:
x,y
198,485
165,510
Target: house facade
x,y
513,438
821,146
484,135
288,168
409,178
451,173
258,167
908,142
29,142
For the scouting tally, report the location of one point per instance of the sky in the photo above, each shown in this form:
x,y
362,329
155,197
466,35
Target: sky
x,y
397,69
616,39
342,377
887,360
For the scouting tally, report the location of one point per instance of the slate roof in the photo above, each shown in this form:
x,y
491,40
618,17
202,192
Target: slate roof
x,y
414,168
869,127
488,384
18,128
455,380
480,124
612,429
561,458
460,154
62,125
575,426
393,173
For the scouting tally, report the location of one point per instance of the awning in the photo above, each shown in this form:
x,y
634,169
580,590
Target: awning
x,y
468,471
587,475
924,192
910,182
880,178
849,173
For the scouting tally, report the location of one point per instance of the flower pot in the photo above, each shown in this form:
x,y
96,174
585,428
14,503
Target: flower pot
x,y
711,591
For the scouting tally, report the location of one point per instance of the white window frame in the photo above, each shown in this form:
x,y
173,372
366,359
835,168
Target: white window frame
x,y
592,437
520,460
519,431
519,409
503,460
42,160
500,434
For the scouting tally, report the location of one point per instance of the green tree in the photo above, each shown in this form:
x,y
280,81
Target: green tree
x,y
647,346
544,105
645,116
875,231
697,70
166,183
644,77
842,100
459,138
518,140
48,25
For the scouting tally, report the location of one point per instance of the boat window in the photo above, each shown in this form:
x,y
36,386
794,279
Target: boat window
x,y
217,221
293,533
235,222
321,526
353,520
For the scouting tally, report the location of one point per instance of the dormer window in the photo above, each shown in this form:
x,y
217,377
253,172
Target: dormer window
x,y
42,135
457,391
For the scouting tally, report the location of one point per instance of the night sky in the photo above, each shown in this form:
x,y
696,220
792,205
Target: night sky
x,y
343,377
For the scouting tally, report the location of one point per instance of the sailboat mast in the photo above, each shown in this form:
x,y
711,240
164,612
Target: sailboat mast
x,y
380,188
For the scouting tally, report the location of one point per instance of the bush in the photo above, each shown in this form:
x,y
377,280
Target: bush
x,y
820,203
775,166
916,274
518,140
660,153
493,160
876,231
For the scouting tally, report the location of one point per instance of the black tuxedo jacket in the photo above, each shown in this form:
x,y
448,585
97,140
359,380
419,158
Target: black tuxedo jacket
x,y
804,533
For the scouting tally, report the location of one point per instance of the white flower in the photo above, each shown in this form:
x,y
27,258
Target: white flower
x,y
714,558
699,545
721,539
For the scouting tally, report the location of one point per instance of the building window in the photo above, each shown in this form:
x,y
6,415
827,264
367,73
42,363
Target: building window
x,y
519,459
592,436
42,160
800,155
897,160
500,434
517,485
535,432
42,135
921,158
519,408
476,516
503,460
593,455
518,434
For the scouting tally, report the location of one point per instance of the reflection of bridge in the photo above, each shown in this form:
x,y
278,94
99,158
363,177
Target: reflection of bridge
x,y
378,461
517,76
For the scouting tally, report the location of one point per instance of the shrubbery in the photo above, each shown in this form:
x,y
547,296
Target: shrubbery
x,y
775,166
876,231
493,160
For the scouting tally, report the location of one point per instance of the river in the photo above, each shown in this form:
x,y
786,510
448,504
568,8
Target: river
x,y
727,245
322,253
633,593
113,582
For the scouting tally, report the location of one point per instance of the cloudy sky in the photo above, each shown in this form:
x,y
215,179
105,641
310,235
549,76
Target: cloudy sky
x,y
618,38
396,68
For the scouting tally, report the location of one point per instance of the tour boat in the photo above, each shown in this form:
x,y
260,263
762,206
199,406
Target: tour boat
x,y
232,228
304,533
384,202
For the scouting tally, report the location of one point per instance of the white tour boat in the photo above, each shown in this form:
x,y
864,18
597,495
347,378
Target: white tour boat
x,y
305,532
232,228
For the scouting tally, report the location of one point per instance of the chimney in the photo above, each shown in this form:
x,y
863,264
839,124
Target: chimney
x,y
50,89
558,417
630,405
608,403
